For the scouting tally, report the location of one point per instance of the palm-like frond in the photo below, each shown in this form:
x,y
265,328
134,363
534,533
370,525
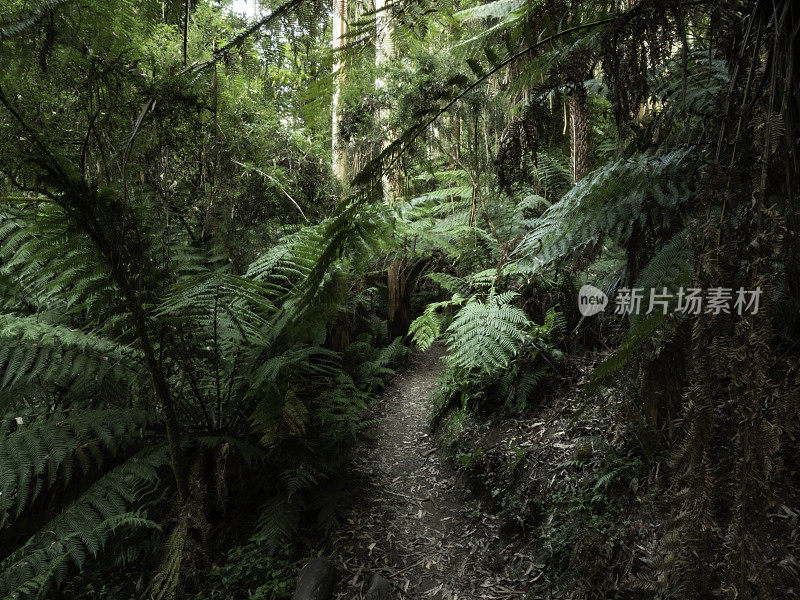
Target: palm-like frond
x,y
44,450
38,353
81,530
485,335
610,201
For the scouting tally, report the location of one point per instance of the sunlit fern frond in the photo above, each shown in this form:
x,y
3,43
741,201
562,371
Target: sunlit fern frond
x,y
485,335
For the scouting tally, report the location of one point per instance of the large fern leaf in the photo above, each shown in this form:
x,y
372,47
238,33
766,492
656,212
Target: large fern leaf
x,y
40,450
486,335
609,202
35,351
81,530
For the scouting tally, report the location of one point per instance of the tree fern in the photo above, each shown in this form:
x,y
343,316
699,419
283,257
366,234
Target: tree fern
x,y
45,450
451,283
35,351
551,173
287,263
427,328
669,269
370,367
16,24
54,268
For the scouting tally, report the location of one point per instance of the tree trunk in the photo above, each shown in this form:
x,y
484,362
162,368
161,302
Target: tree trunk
x,y
384,53
185,30
398,306
579,133
399,298
663,381
337,144
340,334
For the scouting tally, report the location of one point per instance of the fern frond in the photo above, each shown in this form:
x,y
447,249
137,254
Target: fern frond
x,y
42,449
609,202
35,351
669,269
451,283
55,269
14,25
427,328
640,334
486,335
279,518
81,530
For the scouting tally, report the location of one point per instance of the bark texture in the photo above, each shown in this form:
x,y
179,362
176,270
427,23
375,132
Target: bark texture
x,y
579,133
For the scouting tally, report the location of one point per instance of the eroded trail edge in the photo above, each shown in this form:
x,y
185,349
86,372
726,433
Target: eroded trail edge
x,y
411,520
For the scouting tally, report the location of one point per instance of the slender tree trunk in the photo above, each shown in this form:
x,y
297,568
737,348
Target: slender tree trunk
x,y
177,457
398,307
339,336
399,299
579,133
337,144
185,29
341,332
384,53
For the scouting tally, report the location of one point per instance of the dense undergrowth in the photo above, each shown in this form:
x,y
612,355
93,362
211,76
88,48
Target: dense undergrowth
x,y
218,236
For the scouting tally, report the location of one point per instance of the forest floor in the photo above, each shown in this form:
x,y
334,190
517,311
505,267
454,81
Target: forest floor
x,y
412,521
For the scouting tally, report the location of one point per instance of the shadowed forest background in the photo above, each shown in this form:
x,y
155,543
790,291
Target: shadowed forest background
x,y
226,228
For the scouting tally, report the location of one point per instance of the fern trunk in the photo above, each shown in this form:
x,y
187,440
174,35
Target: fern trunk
x,y
579,133
341,333
177,457
663,382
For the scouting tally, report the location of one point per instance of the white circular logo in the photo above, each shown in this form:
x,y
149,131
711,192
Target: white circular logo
x,y
591,300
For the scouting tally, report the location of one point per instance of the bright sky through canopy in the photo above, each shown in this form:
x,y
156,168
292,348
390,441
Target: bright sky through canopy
x,y
248,8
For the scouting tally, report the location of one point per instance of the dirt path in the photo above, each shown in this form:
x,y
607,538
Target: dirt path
x,y
410,521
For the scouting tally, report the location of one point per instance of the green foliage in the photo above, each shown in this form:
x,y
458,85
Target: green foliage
x,y
427,328
497,359
153,276
36,353
551,174
584,506
80,531
48,267
370,366
37,452
610,202
172,258
252,572
668,270
486,335
317,440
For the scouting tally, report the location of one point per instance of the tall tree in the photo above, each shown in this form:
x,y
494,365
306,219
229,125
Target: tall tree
x,y
338,151
384,53
399,287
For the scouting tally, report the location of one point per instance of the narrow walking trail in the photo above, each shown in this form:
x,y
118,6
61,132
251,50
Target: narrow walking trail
x,y
409,520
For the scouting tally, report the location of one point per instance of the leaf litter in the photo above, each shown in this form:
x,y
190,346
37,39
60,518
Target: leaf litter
x,y
410,520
